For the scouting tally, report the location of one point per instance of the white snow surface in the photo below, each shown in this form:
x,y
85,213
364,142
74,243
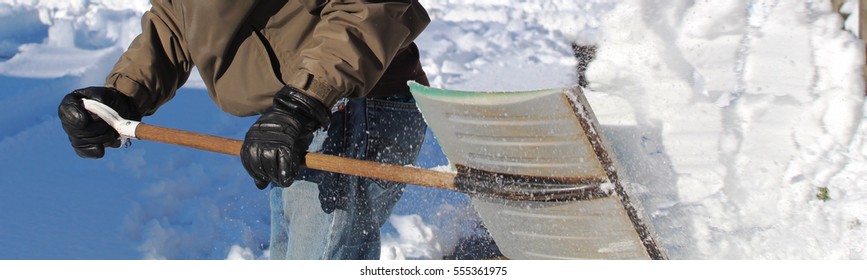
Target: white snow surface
x,y
736,117
745,110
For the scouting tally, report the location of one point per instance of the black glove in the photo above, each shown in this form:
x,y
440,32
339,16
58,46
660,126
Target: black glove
x,y
88,134
275,146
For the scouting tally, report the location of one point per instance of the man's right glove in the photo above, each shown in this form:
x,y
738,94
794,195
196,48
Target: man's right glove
x,y
275,146
89,135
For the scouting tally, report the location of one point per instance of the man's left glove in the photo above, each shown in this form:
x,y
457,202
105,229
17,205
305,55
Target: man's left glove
x,y
90,135
275,146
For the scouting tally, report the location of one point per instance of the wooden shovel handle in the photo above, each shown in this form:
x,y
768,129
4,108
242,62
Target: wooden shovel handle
x,y
369,169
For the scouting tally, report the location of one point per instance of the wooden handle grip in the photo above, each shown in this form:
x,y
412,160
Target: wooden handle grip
x,y
189,139
329,163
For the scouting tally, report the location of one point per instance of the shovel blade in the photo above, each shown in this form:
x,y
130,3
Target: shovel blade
x,y
544,136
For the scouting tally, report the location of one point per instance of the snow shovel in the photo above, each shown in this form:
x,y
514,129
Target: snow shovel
x,y
536,202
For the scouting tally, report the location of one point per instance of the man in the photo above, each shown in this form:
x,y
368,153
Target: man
x,y
304,65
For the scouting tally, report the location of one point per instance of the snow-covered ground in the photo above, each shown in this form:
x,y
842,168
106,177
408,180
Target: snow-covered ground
x,y
741,130
746,112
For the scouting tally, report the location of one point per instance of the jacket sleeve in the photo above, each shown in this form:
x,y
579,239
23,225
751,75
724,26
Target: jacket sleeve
x,y
353,44
157,62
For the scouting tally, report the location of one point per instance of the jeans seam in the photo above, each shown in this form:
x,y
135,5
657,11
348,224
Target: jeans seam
x,y
328,241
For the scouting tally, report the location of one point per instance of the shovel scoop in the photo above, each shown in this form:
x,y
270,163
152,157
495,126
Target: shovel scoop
x,y
539,173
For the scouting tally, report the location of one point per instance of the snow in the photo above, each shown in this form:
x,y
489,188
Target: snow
x,y
732,117
748,111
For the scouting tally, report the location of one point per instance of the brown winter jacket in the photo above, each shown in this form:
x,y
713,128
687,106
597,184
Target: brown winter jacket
x,y
246,50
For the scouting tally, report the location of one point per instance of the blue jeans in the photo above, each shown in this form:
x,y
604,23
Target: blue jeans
x,y
326,215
